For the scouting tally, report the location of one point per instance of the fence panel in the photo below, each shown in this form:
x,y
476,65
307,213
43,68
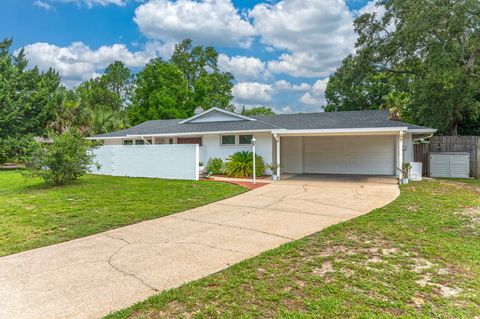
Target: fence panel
x,y
420,152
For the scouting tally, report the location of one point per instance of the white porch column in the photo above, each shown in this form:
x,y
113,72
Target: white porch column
x,y
399,153
277,139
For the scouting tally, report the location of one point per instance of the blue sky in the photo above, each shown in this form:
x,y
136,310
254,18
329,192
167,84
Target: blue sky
x,y
281,52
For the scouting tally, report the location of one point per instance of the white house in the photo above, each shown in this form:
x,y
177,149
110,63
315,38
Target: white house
x,y
357,142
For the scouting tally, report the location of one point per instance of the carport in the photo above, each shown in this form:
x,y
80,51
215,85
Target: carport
x,y
361,151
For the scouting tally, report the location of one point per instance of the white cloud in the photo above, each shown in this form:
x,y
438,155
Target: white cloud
x,y
373,7
316,35
319,87
252,92
308,99
211,22
283,85
316,95
43,5
92,3
242,67
77,62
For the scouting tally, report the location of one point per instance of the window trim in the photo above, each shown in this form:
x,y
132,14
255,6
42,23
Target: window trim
x,y
245,144
234,139
237,140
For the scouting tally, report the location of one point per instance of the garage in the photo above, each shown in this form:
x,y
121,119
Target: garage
x,y
364,155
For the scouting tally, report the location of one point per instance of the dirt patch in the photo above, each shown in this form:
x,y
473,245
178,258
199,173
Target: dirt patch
x,y
326,268
472,214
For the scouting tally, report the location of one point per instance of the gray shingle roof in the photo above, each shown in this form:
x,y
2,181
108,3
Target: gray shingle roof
x,y
323,120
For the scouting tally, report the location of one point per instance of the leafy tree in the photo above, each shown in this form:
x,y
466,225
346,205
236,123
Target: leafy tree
x,y
425,51
28,100
110,91
161,92
103,121
199,65
119,80
65,160
259,110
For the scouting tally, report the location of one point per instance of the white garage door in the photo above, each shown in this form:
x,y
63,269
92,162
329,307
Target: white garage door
x,y
369,155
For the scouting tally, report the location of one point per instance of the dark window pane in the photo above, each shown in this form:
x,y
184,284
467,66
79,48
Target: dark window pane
x,y
128,142
228,139
139,142
245,139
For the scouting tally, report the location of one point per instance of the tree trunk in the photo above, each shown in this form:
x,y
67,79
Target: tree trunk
x,y
452,127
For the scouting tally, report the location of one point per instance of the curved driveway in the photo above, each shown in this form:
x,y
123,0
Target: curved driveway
x,y
92,276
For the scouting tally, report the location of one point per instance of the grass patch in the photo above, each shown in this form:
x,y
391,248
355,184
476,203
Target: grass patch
x,y
418,257
34,214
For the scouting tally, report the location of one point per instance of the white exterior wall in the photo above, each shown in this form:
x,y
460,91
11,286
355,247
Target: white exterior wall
x,y
157,161
212,147
408,148
113,141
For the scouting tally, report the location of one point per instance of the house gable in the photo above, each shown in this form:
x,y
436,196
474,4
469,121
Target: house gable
x,y
216,115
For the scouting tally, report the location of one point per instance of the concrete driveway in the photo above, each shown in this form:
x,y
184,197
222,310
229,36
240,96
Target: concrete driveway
x,y
92,276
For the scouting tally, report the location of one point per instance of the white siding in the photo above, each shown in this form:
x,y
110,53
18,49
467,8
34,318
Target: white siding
x,y
159,161
213,148
408,148
215,116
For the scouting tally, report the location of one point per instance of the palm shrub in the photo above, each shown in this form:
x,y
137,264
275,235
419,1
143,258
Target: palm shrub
x,y
215,166
65,160
240,164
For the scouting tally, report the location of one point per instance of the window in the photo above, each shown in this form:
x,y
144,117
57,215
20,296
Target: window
x,y
170,141
149,142
228,139
245,139
127,142
139,142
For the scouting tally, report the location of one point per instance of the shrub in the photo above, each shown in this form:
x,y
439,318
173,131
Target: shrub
x,y
240,164
65,160
215,166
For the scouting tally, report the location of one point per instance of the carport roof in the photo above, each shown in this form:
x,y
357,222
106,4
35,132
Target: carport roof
x,y
299,121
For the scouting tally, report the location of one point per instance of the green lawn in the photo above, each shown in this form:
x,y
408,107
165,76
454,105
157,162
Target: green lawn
x,y
418,257
33,214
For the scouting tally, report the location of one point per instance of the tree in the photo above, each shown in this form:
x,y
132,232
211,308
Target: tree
x,y
199,65
259,110
112,90
28,100
427,52
161,92
65,160
119,80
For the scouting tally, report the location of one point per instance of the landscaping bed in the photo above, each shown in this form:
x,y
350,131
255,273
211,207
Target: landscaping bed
x,y
418,257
